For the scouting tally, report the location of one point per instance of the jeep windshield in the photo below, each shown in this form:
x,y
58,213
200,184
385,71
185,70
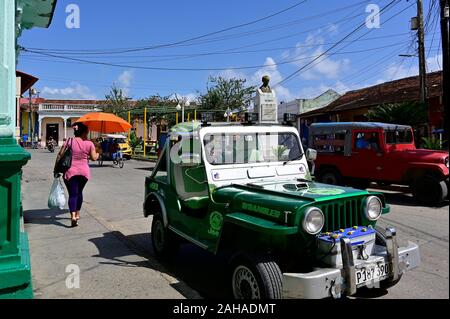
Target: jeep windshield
x,y
403,136
248,148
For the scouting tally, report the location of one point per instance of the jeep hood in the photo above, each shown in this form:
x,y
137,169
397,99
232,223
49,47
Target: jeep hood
x,y
422,155
290,191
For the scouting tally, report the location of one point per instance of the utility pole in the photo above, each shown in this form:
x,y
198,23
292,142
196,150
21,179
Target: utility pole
x,y
446,63
31,91
421,42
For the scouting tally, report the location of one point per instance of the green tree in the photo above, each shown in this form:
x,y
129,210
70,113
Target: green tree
x,y
407,113
116,101
433,143
222,94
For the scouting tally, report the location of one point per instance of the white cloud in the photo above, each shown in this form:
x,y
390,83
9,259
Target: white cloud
x,y
313,47
434,63
270,68
74,91
124,81
232,74
191,97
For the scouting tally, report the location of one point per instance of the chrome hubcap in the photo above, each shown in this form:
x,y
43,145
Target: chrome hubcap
x,y
245,285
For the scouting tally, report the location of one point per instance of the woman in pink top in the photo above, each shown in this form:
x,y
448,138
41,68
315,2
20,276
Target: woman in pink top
x,y
79,173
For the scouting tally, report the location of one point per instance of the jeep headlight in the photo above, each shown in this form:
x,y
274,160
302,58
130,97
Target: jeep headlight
x,y
313,221
446,161
374,208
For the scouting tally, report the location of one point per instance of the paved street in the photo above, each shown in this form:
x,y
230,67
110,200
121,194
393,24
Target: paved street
x,y
113,250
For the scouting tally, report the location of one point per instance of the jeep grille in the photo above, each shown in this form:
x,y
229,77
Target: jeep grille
x,y
343,214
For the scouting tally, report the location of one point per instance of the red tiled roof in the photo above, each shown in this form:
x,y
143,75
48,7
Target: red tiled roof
x,y
26,81
72,101
397,91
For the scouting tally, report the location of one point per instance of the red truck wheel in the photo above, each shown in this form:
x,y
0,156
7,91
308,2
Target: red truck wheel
x,y
330,176
429,190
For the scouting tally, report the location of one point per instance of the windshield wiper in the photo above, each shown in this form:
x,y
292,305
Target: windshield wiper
x,y
294,159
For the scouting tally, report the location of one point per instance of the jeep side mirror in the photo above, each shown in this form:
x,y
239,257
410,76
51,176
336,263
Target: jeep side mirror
x,y
311,155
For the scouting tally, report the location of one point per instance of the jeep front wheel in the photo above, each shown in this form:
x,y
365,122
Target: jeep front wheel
x,y
256,278
165,244
429,190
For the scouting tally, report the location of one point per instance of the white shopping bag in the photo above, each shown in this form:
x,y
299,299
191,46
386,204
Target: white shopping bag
x,y
57,198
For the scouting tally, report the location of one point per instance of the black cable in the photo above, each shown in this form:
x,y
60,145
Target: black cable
x,y
214,32
194,69
292,75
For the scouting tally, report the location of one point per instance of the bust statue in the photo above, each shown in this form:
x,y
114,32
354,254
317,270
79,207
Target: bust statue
x,y
265,88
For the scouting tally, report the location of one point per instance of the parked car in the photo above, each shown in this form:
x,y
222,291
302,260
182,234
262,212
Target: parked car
x,y
359,153
246,190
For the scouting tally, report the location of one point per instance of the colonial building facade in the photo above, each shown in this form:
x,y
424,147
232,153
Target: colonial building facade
x,y
53,118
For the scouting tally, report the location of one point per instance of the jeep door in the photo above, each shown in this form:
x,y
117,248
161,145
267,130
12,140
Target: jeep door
x,y
189,199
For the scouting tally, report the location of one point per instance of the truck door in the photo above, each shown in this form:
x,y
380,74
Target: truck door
x,y
367,155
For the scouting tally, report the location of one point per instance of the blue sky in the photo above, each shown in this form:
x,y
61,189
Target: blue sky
x,y
277,46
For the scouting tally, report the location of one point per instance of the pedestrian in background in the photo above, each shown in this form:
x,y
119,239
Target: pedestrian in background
x,y
79,173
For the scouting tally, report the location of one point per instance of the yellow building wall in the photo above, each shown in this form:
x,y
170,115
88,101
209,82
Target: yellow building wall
x,y
25,127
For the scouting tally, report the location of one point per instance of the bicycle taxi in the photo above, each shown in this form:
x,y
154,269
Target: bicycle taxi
x,y
110,150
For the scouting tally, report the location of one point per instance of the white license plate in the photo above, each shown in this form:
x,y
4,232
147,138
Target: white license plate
x,y
371,273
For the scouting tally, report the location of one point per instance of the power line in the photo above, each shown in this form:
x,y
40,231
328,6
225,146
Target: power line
x,y
292,75
210,33
200,69
188,55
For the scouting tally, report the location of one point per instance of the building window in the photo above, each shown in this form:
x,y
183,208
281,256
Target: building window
x,y
69,123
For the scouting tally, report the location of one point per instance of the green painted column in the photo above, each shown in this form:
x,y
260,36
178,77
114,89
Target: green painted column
x,y
15,270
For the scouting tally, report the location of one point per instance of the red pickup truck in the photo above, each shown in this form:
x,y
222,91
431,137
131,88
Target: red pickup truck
x,y
359,153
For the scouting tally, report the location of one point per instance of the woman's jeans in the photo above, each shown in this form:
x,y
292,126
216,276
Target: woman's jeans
x,y
75,188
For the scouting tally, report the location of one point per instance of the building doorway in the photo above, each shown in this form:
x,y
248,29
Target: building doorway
x,y
53,131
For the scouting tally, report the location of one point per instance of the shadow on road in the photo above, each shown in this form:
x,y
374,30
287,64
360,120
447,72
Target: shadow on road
x,y
47,217
192,266
150,169
403,198
367,293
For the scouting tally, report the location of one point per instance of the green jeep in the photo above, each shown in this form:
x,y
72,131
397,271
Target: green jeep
x,y
247,190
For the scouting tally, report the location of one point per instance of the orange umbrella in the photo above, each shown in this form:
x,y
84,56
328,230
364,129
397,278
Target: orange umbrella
x,y
105,123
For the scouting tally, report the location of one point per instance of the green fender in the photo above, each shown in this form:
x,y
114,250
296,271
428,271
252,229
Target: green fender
x,y
260,225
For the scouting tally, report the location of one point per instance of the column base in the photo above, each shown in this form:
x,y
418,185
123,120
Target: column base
x,y
15,278
15,269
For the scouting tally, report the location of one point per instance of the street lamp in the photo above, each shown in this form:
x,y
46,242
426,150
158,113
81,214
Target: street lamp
x,y
180,107
228,114
408,55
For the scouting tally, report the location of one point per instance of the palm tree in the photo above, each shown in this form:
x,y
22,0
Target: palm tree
x,y
406,113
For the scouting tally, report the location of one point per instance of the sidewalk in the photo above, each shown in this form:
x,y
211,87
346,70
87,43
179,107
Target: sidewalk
x,y
110,266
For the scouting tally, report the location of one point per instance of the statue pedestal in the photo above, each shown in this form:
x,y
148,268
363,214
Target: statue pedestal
x,y
15,270
266,104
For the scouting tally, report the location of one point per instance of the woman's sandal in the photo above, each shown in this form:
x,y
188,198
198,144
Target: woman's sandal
x,y
74,223
74,220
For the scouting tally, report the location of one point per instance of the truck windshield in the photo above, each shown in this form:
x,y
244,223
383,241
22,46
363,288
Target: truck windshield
x,y
399,137
243,148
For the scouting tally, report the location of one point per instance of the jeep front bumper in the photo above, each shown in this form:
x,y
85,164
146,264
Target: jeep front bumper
x,y
335,282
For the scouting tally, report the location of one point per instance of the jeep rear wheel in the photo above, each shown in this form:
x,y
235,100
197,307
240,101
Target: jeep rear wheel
x,y
330,176
164,242
256,278
429,190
